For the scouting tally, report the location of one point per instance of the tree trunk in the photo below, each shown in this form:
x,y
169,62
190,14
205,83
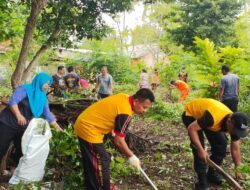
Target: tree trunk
x,y
43,48
36,8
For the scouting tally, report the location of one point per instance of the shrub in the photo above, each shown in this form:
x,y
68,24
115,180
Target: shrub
x,y
64,163
125,88
163,111
117,63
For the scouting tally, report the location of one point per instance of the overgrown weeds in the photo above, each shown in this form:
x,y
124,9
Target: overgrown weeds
x,y
162,111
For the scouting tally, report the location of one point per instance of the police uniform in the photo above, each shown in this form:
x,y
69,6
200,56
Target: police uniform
x,y
111,113
211,115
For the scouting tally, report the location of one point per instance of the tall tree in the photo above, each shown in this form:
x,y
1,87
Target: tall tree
x,y
61,20
211,19
36,8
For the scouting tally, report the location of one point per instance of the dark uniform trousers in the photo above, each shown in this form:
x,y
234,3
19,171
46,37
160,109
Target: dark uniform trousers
x,y
217,141
8,134
231,103
96,163
10,130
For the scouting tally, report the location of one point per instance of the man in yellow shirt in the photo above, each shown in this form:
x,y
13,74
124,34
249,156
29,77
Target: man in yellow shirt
x,y
111,113
213,118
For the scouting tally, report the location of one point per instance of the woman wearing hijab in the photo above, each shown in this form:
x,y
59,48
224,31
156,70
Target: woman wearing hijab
x,y
28,101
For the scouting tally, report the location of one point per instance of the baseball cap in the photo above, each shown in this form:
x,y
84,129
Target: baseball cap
x,y
240,122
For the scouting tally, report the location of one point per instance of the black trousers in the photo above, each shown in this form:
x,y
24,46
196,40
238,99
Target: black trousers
x,y
101,96
217,141
8,134
96,163
232,104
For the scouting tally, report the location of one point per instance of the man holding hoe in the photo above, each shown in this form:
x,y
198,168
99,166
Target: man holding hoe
x,y
213,118
111,113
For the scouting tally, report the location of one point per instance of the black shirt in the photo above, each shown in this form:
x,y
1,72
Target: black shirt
x,y
58,85
72,81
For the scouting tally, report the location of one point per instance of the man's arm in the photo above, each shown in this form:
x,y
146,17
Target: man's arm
x,y
111,86
97,84
238,87
221,94
122,145
121,123
172,86
235,153
193,129
222,87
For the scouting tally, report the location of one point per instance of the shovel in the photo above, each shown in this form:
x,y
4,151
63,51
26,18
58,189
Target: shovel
x,y
149,180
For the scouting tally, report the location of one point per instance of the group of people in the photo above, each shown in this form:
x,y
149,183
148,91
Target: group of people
x,y
70,82
155,80
201,116
180,84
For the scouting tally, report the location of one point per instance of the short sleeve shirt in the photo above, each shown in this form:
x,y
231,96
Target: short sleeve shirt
x,y
229,83
58,85
104,83
72,80
181,85
207,121
111,113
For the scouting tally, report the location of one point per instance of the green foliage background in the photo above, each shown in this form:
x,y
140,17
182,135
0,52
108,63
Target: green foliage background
x,y
197,37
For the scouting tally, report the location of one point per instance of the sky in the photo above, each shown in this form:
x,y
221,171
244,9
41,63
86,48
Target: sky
x,y
132,18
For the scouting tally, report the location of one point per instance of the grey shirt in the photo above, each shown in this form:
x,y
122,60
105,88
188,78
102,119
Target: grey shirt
x,y
104,83
229,83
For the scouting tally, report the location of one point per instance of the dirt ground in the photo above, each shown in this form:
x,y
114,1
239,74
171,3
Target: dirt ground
x,y
163,148
168,161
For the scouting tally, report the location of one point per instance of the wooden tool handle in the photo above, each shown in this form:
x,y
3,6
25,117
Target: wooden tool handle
x,y
226,176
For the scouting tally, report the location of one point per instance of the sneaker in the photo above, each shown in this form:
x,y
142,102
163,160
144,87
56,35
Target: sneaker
x,y
214,177
201,186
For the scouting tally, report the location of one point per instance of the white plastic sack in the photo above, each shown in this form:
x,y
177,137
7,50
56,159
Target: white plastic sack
x,y
35,149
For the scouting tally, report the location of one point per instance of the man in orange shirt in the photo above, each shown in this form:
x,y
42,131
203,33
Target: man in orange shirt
x,y
182,87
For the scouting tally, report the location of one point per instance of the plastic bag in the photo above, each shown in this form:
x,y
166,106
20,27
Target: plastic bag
x,y
35,149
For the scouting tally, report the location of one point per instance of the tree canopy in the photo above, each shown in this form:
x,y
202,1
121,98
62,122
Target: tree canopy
x,y
61,21
204,19
12,18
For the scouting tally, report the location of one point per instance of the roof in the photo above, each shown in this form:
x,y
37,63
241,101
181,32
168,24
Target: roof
x,y
138,51
5,46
